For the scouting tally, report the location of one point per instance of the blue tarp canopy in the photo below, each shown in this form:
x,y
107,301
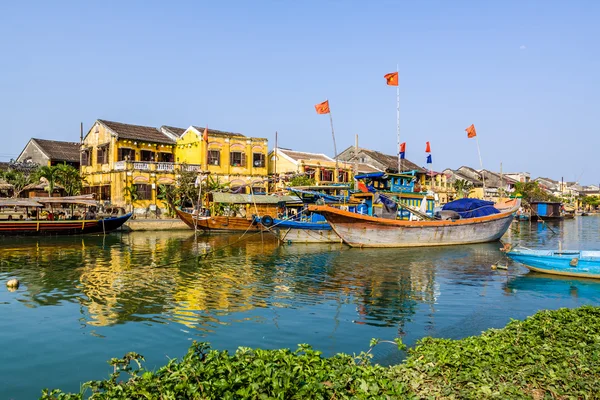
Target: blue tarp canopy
x,y
370,175
471,208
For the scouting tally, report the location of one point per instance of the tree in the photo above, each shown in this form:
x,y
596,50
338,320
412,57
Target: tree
x,y
50,174
531,191
131,191
70,178
301,180
463,188
18,179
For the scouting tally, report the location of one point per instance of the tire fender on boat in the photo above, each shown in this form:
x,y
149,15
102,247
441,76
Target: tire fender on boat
x,y
266,220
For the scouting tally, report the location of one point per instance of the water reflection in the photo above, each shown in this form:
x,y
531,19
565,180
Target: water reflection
x,y
196,282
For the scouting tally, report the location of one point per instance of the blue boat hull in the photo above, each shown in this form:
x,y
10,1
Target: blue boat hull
x,y
304,232
584,264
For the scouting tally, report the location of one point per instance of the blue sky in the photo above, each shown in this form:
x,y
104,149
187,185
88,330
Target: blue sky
x,y
525,73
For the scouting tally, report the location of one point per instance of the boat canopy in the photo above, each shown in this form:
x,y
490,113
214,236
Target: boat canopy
x,y
471,208
19,203
328,198
232,198
85,199
370,175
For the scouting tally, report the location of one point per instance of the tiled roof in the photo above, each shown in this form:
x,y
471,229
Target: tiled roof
x,y
137,132
366,168
300,155
391,162
173,130
59,151
214,132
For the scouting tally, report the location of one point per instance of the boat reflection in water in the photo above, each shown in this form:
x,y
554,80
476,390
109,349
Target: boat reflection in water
x,y
581,290
197,281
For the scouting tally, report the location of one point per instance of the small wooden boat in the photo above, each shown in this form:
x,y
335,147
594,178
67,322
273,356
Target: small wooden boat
x,y
220,223
304,231
580,263
36,227
359,230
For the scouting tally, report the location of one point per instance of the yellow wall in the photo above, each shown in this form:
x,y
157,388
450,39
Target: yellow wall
x,y
191,149
120,174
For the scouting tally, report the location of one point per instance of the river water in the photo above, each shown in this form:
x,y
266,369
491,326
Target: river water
x,y
83,300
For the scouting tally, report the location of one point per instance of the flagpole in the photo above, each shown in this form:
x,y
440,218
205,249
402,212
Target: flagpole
x,y
335,178
481,164
398,118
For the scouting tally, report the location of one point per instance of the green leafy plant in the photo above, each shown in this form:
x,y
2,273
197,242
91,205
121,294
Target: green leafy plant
x,y
301,180
69,178
50,175
463,188
553,354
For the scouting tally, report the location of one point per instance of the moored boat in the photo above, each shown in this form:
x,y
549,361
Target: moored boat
x,y
219,223
474,226
88,223
579,263
314,230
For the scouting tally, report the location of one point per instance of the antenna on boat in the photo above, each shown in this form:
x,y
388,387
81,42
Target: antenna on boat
x,y
398,119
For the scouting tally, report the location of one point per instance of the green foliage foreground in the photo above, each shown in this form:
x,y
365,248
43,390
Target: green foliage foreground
x,y
553,354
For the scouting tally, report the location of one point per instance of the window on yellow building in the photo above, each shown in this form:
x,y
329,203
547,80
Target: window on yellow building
x,y
126,154
85,157
326,175
214,157
258,160
342,176
102,155
165,157
258,190
144,191
237,159
147,155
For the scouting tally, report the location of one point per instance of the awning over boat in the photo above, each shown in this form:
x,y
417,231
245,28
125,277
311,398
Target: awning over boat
x,y
19,203
371,175
86,199
232,198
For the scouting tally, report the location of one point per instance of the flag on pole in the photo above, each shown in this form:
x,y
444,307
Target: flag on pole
x,y
429,159
402,147
322,108
391,79
471,133
427,147
205,135
402,155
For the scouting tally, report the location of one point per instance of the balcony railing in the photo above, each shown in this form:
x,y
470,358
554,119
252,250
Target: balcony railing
x,y
165,166
162,166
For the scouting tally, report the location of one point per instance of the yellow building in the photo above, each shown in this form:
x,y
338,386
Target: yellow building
x,y
231,157
118,159
286,162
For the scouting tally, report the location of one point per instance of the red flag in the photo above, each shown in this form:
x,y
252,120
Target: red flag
x,y
427,147
322,108
205,135
403,147
362,187
391,79
471,133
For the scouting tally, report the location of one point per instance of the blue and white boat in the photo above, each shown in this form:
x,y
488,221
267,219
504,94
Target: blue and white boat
x,y
311,229
580,263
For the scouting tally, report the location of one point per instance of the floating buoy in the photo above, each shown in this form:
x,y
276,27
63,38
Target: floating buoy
x,y
499,266
12,283
494,266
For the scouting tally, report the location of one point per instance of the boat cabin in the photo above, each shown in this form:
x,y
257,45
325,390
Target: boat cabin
x,y
545,210
386,182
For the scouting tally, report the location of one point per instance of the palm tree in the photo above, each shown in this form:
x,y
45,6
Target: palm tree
x,y
49,173
132,192
463,188
70,178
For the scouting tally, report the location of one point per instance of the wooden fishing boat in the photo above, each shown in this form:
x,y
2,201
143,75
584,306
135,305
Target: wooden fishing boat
x,y
35,227
367,231
220,223
580,263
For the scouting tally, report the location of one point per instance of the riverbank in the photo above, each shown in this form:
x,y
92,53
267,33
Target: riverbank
x,y
549,355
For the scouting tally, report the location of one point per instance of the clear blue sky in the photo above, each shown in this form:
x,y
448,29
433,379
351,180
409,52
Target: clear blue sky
x,y
525,73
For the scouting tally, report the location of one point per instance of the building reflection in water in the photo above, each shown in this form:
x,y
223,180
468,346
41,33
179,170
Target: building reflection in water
x,y
176,277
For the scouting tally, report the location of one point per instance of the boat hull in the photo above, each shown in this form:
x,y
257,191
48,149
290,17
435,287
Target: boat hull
x,y
304,232
220,223
567,263
67,227
364,231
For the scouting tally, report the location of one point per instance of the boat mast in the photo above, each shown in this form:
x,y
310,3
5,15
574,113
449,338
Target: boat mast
x,y
398,119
